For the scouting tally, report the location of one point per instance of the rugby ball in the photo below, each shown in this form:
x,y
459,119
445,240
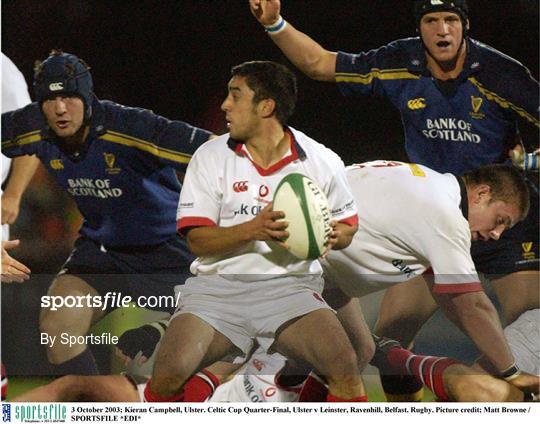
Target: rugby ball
x,y
308,214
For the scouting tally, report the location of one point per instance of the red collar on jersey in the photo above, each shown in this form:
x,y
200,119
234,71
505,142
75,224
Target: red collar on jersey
x,y
296,153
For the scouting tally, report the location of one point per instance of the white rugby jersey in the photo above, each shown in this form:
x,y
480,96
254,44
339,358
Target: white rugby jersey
x,y
224,187
411,219
14,96
256,382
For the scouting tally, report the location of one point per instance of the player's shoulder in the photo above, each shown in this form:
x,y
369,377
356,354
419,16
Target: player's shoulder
x,y
316,151
22,120
218,147
496,65
401,53
120,115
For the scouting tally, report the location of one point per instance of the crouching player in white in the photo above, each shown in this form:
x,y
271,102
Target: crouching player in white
x,y
247,287
415,219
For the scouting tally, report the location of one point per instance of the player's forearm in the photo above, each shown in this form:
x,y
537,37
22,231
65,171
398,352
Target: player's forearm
x,y
478,318
22,171
211,241
306,54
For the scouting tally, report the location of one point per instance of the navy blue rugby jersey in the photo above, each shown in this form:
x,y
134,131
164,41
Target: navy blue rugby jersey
x,y
123,179
454,126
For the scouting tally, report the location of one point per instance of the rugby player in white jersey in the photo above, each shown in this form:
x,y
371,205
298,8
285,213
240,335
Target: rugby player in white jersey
x,y
16,173
248,287
414,219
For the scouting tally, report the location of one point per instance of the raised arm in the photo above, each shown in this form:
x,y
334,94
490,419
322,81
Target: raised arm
x,y
304,52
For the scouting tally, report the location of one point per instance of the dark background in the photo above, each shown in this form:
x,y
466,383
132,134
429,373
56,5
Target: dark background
x,y
174,57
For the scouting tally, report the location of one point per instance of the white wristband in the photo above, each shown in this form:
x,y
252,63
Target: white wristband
x,y
276,27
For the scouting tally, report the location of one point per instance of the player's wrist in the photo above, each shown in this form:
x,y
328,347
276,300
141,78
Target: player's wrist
x,y
276,27
510,373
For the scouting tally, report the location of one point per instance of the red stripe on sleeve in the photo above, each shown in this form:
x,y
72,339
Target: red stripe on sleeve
x,y
351,220
194,221
457,288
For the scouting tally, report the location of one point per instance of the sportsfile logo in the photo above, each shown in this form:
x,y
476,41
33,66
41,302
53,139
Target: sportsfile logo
x,y
34,413
6,412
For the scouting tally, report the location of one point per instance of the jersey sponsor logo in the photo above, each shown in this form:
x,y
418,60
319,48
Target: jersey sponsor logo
x,y
250,390
436,3
527,253
405,269
264,190
110,160
240,186
476,103
416,104
450,129
93,187
56,86
56,164
248,209
269,392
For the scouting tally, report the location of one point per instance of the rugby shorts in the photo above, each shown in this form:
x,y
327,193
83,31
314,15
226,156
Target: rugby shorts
x,y
523,337
246,312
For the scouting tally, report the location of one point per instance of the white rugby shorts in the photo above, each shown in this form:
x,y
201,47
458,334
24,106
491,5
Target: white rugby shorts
x,y
523,336
248,311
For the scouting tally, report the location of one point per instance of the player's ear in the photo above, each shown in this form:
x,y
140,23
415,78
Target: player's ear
x,y
267,107
481,192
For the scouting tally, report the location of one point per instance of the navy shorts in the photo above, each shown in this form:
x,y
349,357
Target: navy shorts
x,y
516,250
145,273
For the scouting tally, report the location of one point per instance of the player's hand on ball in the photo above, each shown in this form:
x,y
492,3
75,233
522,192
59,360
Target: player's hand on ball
x,y
265,226
527,383
332,238
265,11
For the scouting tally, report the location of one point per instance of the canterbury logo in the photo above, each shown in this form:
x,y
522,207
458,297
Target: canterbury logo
x,y
476,103
55,86
240,186
56,164
436,2
527,246
415,104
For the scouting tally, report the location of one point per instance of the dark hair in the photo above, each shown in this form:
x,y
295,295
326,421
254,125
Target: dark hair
x,y
506,182
270,80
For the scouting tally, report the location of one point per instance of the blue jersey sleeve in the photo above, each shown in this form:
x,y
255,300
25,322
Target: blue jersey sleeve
x,y
22,131
376,72
172,143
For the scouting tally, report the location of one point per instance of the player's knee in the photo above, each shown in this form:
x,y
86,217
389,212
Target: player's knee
x,y
479,388
365,353
74,322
